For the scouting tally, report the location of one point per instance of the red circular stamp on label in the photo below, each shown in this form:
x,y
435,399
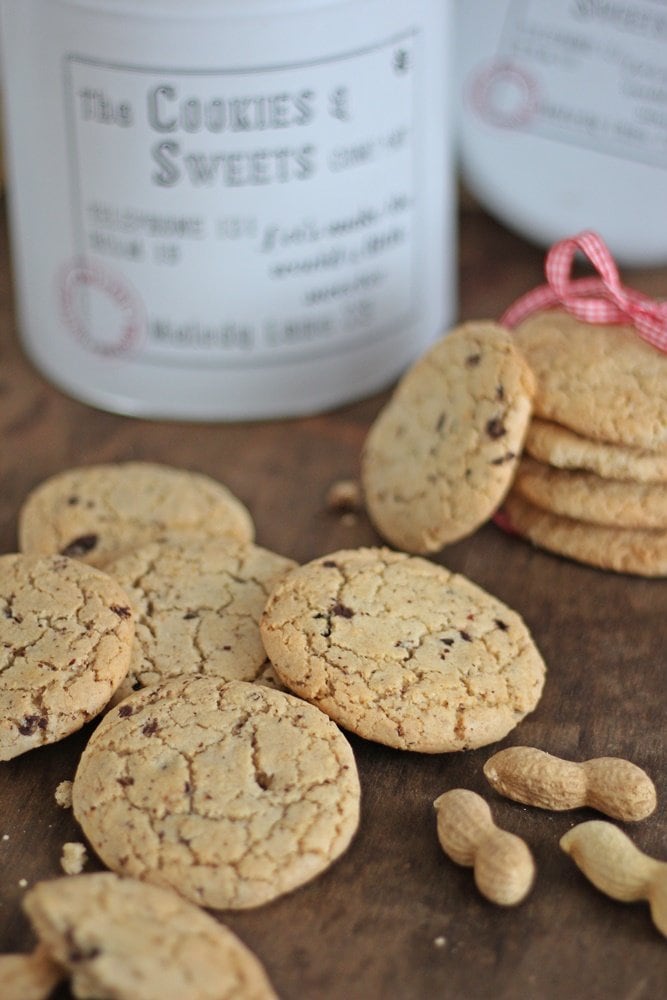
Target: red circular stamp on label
x,y
101,307
505,95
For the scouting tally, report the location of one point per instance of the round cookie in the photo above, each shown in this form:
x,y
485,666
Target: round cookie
x,y
584,496
442,454
402,651
229,792
67,632
123,939
604,382
197,604
623,550
558,446
96,512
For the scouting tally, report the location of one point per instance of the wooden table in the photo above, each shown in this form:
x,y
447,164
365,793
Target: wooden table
x,y
393,918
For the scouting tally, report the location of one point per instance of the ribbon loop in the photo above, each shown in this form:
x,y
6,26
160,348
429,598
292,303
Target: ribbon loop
x,y
599,299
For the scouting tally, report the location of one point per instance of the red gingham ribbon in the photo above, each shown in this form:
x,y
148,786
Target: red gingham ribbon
x,y
600,299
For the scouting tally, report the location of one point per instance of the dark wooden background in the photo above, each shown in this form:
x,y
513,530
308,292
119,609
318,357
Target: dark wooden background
x,y
393,918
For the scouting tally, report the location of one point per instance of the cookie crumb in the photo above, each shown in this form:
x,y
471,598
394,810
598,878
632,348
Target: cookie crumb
x,y
23,883
344,496
63,794
440,942
5,836
73,858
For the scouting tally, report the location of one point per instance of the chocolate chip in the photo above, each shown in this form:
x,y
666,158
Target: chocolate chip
x,y
448,642
80,546
495,428
150,728
124,711
330,564
83,954
342,611
121,611
125,781
472,360
440,424
465,636
501,625
31,723
507,457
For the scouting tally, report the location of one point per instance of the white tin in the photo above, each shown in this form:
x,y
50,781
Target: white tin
x,y
564,118
228,209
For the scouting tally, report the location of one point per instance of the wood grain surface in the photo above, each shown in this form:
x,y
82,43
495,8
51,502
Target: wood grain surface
x,y
393,918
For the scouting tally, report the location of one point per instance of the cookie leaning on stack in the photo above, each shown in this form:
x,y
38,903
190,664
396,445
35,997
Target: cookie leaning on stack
x,y
595,485
442,454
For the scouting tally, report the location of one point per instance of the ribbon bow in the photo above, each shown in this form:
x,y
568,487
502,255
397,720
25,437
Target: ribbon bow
x,y
600,299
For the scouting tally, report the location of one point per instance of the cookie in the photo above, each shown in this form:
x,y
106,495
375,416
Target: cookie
x,y
583,496
97,512
29,977
67,632
623,550
603,382
229,792
402,651
197,604
125,940
555,445
442,454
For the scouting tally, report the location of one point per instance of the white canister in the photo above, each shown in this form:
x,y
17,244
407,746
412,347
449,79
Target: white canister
x,y
564,118
228,209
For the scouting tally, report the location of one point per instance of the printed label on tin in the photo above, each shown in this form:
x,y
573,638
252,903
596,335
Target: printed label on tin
x,y
243,217
588,73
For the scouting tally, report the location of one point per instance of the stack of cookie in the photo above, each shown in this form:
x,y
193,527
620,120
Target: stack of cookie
x,y
442,454
592,484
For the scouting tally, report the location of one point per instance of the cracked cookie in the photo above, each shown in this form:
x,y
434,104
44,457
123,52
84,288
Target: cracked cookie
x,y
197,604
124,940
442,454
603,382
564,449
97,512
623,550
401,651
67,632
231,793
